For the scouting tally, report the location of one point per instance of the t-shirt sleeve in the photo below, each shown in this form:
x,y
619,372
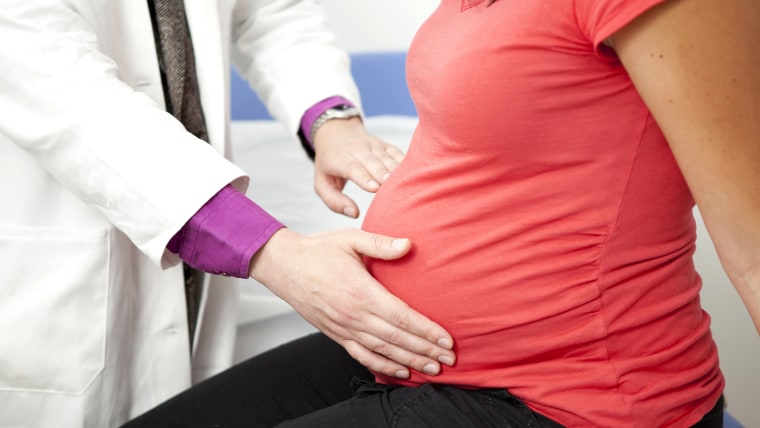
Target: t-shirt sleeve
x,y
600,19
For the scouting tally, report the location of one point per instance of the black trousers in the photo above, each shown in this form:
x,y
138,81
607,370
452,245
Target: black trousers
x,y
313,382
428,406
292,380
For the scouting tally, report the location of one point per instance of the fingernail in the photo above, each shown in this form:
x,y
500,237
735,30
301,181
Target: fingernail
x,y
372,184
399,244
385,177
402,374
349,211
431,369
445,359
445,343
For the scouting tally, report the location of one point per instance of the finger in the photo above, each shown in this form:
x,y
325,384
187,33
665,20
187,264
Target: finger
x,y
329,189
401,325
395,153
390,335
408,333
375,362
406,349
379,167
390,165
367,173
379,246
378,160
391,157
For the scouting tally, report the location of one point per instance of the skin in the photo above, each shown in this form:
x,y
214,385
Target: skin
x,y
696,64
343,150
323,278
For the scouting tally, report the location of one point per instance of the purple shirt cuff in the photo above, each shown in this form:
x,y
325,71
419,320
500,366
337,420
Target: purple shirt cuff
x,y
222,237
316,110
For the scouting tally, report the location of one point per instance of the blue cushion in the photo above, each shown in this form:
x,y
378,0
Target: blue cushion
x,y
380,76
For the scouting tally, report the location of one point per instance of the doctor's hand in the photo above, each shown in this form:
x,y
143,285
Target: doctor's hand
x,y
346,151
323,278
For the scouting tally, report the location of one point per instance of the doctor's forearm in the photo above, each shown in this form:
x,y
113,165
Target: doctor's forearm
x,y
222,237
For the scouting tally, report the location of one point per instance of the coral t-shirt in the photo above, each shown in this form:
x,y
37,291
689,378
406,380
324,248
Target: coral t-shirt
x,y
552,229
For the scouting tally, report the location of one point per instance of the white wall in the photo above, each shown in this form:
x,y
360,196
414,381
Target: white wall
x,y
364,26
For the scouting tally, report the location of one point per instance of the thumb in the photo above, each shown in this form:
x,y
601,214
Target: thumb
x,y
381,247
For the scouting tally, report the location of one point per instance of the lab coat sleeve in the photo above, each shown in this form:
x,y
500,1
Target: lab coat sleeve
x,y
286,51
113,147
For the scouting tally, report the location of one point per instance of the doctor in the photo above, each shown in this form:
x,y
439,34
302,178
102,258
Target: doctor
x,y
104,194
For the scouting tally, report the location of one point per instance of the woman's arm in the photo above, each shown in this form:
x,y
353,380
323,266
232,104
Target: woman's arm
x,y
696,64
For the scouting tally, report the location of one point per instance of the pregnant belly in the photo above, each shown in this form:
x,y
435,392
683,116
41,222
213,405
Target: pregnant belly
x,y
491,280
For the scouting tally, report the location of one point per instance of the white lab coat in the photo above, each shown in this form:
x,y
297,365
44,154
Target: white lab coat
x,y
95,178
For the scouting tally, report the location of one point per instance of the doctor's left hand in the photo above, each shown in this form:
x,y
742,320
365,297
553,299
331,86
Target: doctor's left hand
x,y
323,278
346,151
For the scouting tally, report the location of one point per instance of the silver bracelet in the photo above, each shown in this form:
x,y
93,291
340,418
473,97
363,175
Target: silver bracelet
x,y
340,112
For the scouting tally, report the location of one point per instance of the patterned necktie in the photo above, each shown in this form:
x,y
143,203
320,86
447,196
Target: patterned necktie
x,y
177,65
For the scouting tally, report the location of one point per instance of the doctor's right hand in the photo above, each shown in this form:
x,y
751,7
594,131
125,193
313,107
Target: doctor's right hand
x,y
323,278
345,151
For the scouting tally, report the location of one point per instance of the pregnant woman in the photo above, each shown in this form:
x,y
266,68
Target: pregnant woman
x,y
548,194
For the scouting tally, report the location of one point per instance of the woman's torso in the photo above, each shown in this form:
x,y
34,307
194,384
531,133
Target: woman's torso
x,y
552,229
